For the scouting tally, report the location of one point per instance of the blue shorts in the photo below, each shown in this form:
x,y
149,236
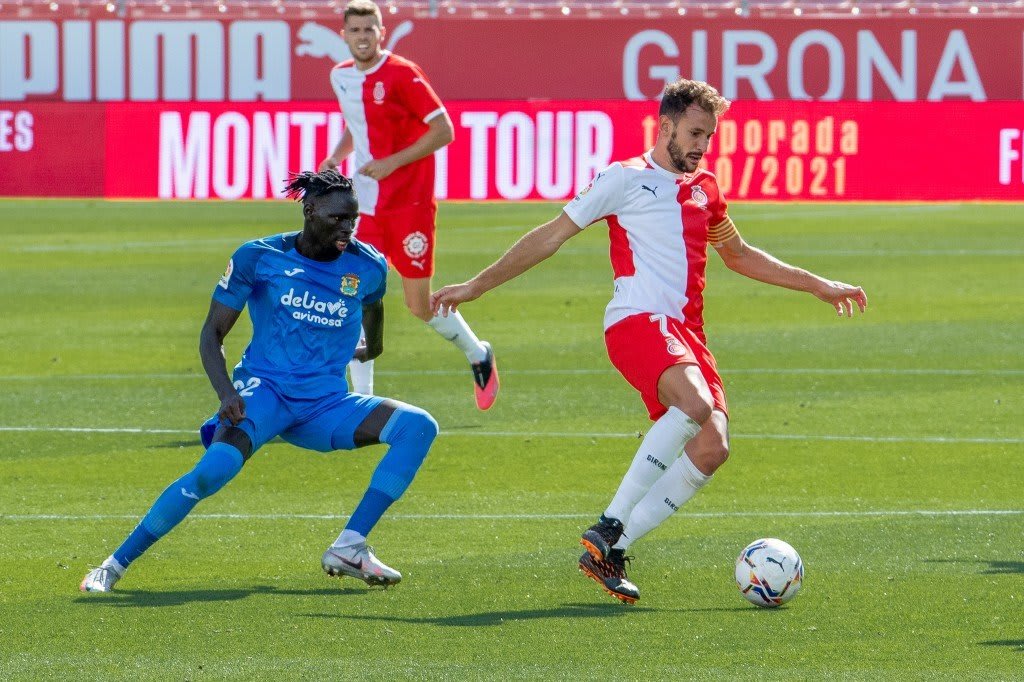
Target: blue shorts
x,y
321,424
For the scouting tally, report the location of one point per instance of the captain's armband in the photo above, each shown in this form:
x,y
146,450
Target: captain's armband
x,y
722,232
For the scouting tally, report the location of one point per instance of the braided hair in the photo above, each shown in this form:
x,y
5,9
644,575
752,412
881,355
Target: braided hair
x,y
307,184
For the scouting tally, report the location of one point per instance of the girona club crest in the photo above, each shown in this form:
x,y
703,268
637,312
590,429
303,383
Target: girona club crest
x,y
415,245
699,196
378,93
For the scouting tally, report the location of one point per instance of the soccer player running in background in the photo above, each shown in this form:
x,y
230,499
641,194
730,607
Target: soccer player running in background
x,y
395,122
308,294
662,210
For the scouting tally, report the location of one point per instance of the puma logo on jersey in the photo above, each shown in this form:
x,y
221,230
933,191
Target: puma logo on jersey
x,y
292,273
653,190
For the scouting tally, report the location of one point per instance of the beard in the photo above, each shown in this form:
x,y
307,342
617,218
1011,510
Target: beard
x,y
678,158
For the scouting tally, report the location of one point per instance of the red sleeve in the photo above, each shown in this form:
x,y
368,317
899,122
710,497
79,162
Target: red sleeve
x,y
417,95
720,225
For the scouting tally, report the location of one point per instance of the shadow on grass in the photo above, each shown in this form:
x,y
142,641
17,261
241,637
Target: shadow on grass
x,y
990,567
1015,644
151,598
604,610
193,443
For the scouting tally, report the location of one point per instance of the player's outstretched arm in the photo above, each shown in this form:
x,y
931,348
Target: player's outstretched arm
x,y
757,264
533,247
219,322
373,329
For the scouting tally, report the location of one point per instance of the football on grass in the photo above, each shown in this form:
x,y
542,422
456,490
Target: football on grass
x,y
769,572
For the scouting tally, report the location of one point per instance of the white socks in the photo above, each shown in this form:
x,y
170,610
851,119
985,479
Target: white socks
x,y
113,564
349,537
666,496
453,328
361,374
660,448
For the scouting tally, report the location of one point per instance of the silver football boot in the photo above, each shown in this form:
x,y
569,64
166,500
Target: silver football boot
x,y
100,579
358,561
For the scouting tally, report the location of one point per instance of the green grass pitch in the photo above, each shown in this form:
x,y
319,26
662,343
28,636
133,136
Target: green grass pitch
x,y
887,449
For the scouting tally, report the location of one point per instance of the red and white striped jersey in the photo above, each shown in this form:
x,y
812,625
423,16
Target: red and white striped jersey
x,y
660,224
387,108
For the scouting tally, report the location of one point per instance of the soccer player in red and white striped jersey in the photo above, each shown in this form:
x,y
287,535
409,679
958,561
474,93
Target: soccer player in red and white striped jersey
x,y
394,121
662,211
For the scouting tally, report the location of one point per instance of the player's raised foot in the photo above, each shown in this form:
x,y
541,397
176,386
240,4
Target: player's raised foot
x,y
611,575
599,538
485,379
100,579
358,561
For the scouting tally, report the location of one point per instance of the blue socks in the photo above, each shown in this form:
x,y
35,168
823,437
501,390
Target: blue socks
x,y
218,466
409,432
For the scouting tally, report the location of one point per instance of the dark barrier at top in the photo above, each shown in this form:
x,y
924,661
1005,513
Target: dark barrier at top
x,y
89,56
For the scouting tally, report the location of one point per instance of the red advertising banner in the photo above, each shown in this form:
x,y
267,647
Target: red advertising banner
x,y
521,150
88,57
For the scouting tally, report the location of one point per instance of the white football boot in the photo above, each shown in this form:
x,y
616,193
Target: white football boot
x,y
100,579
358,561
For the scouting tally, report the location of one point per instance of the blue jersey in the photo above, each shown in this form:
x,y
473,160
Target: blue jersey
x,y
306,314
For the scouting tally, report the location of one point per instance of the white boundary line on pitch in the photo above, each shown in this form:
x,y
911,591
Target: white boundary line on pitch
x,y
560,434
537,517
838,371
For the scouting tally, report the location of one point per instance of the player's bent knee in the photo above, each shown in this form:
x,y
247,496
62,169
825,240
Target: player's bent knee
x,y
411,424
218,466
696,408
235,437
420,311
719,454
710,456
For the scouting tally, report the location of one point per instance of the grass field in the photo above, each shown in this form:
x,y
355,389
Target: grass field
x,y
888,449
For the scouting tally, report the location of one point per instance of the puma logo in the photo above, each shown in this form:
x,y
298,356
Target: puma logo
x,y
316,40
189,495
653,190
776,561
292,273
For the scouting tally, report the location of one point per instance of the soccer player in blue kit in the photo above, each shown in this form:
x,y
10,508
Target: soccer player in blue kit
x,y
308,294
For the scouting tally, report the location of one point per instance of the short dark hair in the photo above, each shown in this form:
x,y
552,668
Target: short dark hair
x,y
362,8
308,184
679,96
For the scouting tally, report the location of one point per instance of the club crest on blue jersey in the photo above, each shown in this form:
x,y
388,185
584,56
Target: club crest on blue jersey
x,y
225,279
350,284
